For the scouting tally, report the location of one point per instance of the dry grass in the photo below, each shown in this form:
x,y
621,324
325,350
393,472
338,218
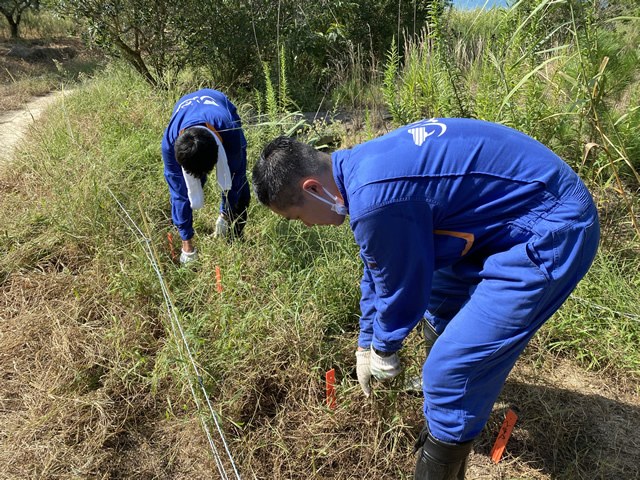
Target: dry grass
x,y
71,407
61,61
68,406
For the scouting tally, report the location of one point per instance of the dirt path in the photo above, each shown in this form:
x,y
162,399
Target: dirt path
x,y
14,124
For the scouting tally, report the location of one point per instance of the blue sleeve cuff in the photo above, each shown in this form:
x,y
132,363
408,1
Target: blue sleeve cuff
x,y
386,346
365,339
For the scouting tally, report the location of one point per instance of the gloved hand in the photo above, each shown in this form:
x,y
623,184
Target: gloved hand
x,y
222,228
363,369
186,257
385,366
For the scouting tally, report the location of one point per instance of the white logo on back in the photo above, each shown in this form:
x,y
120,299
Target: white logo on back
x,y
206,99
424,128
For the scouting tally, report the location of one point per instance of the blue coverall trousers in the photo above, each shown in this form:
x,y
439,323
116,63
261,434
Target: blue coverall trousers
x,y
487,307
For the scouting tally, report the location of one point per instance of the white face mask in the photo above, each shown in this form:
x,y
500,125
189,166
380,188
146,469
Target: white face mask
x,y
336,205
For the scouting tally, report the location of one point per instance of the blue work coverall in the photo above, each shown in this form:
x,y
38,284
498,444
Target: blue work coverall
x,y
200,108
478,228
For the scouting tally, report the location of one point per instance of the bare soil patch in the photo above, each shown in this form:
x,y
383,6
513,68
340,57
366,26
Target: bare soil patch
x,y
572,424
14,124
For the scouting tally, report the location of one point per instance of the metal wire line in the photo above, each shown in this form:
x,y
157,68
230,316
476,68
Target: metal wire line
x,y
630,316
170,308
146,243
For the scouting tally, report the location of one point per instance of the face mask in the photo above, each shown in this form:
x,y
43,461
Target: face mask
x,y
336,206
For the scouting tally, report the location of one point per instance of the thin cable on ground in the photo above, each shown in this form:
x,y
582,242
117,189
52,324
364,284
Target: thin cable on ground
x,y
147,245
631,316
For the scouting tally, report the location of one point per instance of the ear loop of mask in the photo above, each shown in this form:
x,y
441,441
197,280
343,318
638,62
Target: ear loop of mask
x,y
336,206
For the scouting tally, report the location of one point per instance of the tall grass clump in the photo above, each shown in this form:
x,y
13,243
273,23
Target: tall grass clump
x,y
562,72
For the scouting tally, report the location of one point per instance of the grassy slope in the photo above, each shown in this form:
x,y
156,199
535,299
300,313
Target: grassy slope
x,y
93,388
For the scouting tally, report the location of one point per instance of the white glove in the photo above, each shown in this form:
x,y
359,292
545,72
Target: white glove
x,y
363,369
186,257
222,228
385,368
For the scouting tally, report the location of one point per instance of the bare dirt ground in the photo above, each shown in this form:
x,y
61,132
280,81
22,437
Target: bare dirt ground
x,y
14,124
572,424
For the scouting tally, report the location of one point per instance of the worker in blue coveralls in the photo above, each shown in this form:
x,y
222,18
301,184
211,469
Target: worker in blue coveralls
x,y
204,132
473,226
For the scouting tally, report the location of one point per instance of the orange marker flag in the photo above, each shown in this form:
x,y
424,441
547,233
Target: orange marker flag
x,y
331,388
173,253
503,436
218,279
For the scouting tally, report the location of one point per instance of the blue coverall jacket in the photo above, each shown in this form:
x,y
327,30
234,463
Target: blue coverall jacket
x,y
199,108
478,228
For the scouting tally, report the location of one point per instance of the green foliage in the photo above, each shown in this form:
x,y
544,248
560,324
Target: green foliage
x,y
542,67
389,85
143,33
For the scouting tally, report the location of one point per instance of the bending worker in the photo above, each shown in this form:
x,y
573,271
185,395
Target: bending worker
x,y
204,132
476,227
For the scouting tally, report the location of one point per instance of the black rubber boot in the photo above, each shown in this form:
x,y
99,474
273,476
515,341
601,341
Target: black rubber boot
x,y
239,217
430,336
438,460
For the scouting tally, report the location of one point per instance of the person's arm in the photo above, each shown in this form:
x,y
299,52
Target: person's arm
x,y
181,212
396,244
367,308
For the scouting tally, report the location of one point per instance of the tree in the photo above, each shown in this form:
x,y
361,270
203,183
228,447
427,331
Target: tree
x,y
140,31
13,10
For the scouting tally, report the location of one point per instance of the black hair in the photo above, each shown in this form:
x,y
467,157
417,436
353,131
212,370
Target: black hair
x,y
196,151
282,164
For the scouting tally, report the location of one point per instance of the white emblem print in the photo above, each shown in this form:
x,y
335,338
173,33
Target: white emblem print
x,y
206,99
425,128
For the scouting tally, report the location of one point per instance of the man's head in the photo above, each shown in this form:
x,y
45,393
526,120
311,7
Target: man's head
x,y
196,151
289,178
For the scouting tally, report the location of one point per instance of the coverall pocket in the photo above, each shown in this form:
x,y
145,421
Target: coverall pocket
x,y
537,261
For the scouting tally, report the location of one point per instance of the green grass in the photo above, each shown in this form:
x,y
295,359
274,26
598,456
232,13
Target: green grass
x,y
41,24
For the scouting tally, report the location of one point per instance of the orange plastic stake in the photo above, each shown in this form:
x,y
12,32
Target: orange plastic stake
x,y
331,388
503,436
218,279
173,252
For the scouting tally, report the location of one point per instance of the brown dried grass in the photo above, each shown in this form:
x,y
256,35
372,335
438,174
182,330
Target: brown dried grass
x,y
21,79
68,404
